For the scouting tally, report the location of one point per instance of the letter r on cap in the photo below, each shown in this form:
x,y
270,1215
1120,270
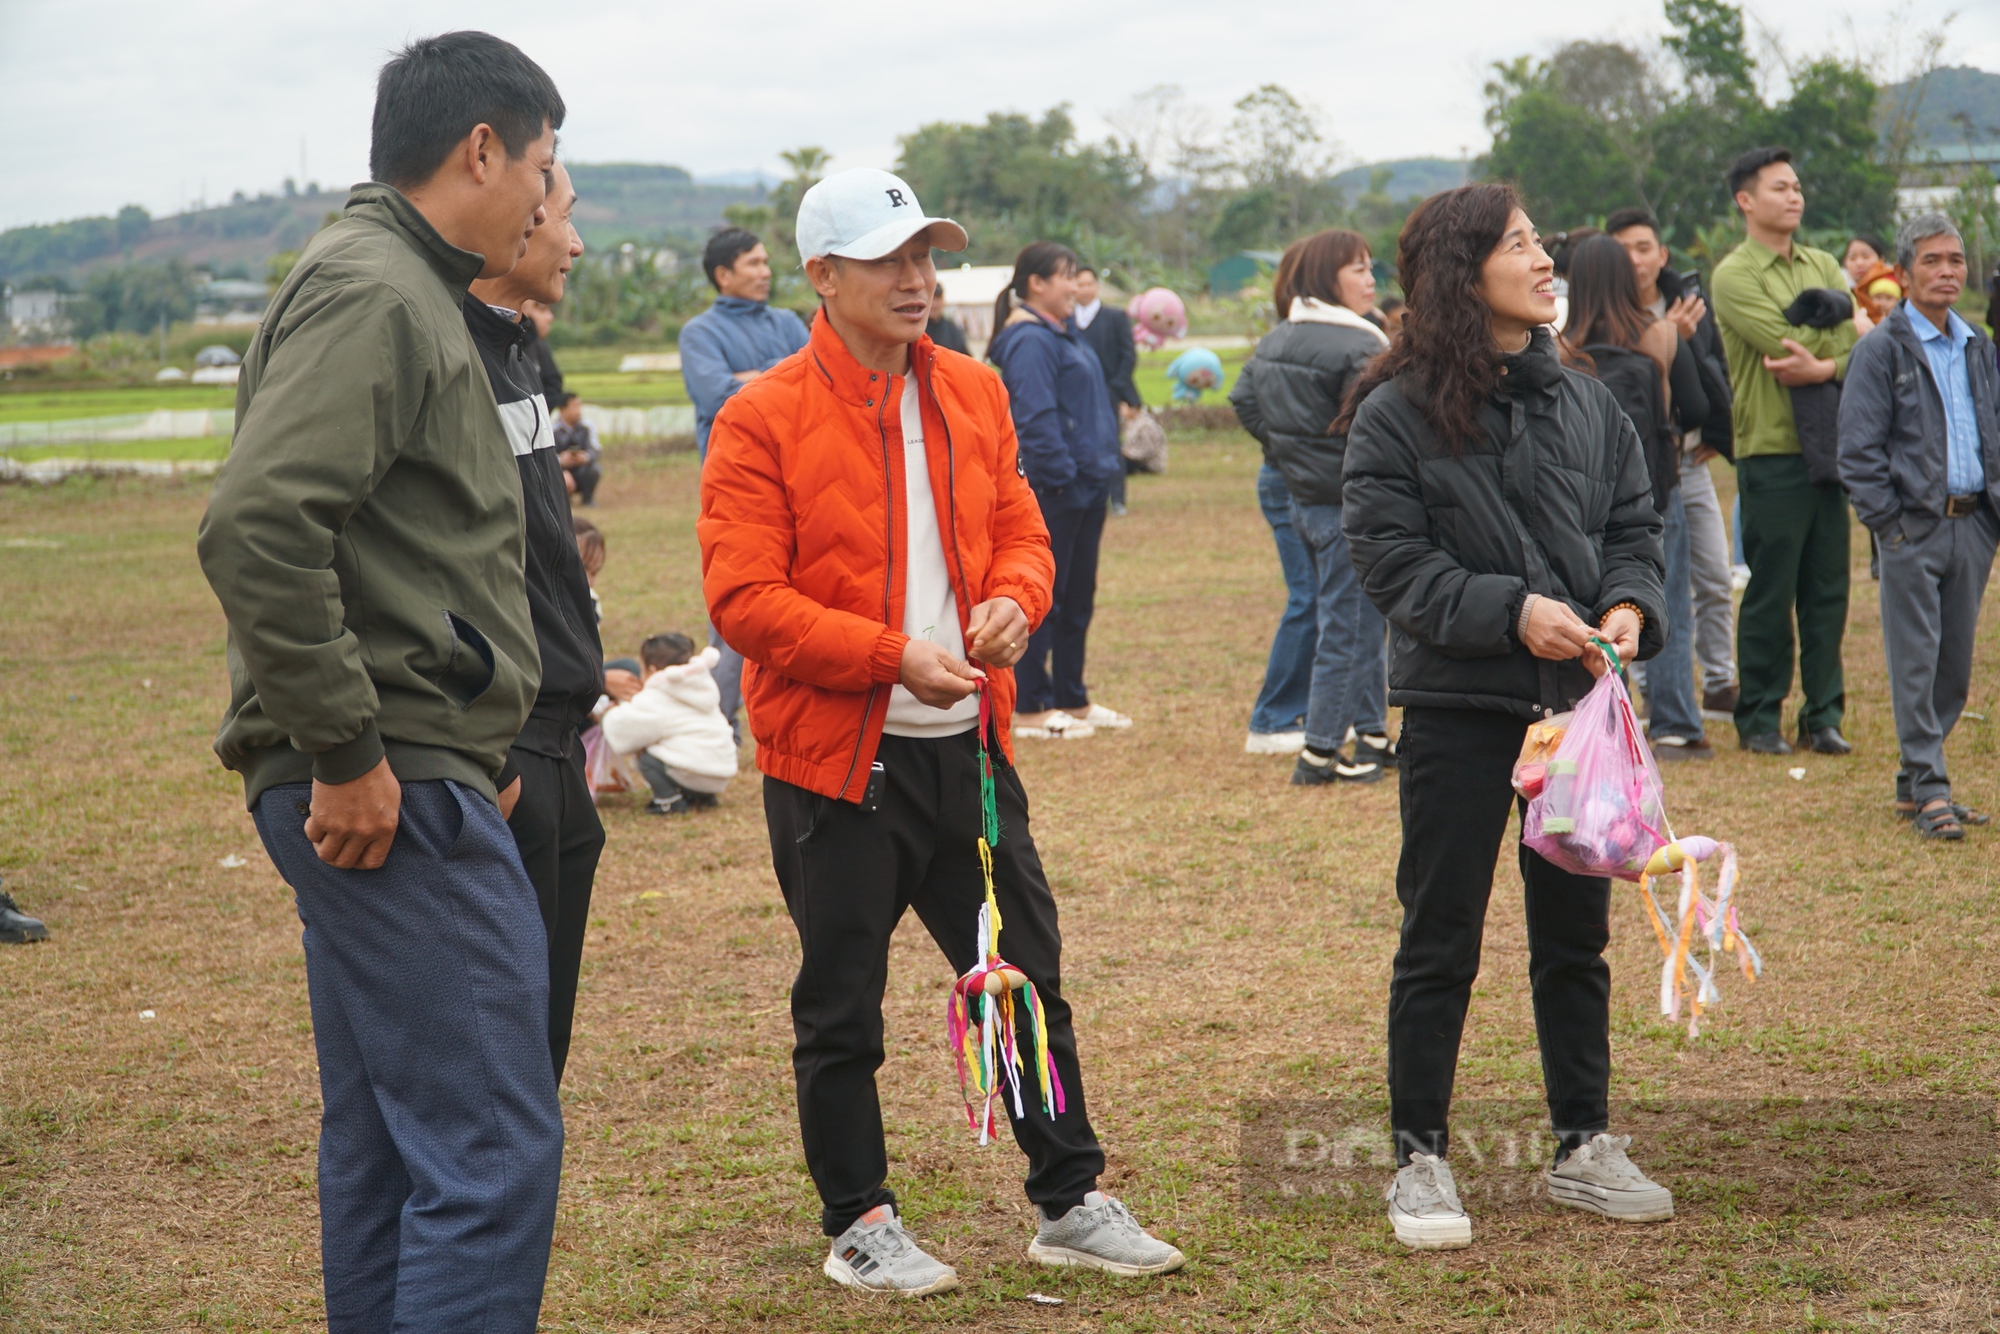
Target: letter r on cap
x,y
896,199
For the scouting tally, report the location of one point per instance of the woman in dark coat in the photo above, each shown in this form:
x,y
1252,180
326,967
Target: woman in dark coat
x,y
1501,515
1069,449
1287,397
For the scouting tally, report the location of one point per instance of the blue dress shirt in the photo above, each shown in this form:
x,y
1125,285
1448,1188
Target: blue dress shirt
x,y
1944,348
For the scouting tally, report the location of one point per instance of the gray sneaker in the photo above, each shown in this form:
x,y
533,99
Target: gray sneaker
x,y
1424,1207
1101,1233
877,1255
1599,1177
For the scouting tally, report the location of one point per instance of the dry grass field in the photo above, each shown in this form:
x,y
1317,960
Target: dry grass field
x,y
1229,940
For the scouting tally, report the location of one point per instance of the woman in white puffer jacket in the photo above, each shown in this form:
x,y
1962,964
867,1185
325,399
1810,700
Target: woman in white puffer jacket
x,y
675,726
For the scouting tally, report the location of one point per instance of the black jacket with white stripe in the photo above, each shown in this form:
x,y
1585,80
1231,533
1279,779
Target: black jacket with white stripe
x,y
558,591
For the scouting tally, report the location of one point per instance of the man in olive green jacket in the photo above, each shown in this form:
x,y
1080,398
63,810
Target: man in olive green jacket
x,y
1794,531
365,541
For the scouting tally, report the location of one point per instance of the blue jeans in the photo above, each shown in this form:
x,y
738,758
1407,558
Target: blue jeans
x,y
1670,697
1350,681
1288,676
441,1139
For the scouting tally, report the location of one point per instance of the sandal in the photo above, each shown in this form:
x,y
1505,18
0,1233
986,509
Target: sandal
x,y
1940,822
1906,808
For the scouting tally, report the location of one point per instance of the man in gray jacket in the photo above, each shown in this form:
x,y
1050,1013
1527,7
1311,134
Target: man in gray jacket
x,y
365,541
1920,456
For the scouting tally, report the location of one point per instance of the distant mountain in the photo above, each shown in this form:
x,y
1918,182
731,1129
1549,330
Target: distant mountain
x,y
1409,178
237,238
617,201
761,180
1958,90
638,201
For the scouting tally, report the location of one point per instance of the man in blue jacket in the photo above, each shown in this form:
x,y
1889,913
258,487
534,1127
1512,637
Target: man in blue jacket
x,y
724,348
740,336
1920,457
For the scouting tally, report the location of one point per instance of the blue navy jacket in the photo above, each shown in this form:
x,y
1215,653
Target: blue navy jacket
x,y
732,335
1062,411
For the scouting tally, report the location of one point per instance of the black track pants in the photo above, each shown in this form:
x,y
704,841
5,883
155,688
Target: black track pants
x,y
847,876
556,827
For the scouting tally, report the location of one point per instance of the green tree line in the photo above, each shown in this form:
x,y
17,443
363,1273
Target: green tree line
x,y
1602,125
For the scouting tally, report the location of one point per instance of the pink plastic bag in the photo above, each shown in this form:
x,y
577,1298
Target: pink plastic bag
x,y
1601,809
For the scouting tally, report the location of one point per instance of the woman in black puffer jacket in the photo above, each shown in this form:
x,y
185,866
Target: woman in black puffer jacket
x,y
1501,514
1288,396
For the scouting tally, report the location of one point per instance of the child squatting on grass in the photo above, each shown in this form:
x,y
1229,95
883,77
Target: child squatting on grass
x,y
675,727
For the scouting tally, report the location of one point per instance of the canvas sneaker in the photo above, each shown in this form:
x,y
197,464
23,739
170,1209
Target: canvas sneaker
x,y
1424,1207
1105,719
1274,743
1599,1177
876,1254
1101,1233
1057,726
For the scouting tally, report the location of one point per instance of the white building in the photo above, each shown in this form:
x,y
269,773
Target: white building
x,y
34,317
231,301
969,293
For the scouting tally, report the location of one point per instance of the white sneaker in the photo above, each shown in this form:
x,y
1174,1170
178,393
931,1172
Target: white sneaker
x,y
1101,1233
875,1254
1109,719
1599,1177
1424,1207
1058,726
1274,743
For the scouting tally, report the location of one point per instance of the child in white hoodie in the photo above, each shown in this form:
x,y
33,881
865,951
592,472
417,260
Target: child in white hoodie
x,y
675,725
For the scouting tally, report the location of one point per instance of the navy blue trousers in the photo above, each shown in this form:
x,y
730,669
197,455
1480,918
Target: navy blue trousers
x,y
441,1139
1060,640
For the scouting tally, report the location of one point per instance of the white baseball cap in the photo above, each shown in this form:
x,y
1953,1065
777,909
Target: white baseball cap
x,y
864,213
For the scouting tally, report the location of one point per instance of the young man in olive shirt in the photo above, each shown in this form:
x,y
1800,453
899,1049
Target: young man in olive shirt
x,y
1794,531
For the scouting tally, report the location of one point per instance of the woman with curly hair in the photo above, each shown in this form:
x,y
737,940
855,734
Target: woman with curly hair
x,y
1501,516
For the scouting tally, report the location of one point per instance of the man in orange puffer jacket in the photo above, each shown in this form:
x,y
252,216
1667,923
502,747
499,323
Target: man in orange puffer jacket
x,y
870,546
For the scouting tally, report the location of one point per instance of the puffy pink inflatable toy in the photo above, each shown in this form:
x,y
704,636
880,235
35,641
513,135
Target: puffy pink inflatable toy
x,y
1157,315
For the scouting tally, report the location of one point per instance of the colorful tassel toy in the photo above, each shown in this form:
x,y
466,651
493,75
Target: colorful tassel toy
x,y
980,1018
1712,920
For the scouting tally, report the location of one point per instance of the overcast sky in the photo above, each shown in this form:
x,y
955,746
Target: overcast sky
x,y
138,101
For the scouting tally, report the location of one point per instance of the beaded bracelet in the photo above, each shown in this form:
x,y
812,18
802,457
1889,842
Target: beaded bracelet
x,y
1632,607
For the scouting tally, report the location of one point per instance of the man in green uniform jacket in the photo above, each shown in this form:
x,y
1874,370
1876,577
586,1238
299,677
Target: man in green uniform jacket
x,y
365,541
1794,531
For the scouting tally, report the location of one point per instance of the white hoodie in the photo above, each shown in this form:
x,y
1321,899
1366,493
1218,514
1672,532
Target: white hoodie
x,y
677,718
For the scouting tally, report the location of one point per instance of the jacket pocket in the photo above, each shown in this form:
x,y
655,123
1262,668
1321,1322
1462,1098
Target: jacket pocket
x,y
468,668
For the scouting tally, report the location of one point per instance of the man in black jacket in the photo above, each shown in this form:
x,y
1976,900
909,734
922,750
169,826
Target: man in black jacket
x,y
555,821
1920,458
538,314
1107,331
943,329
1677,297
